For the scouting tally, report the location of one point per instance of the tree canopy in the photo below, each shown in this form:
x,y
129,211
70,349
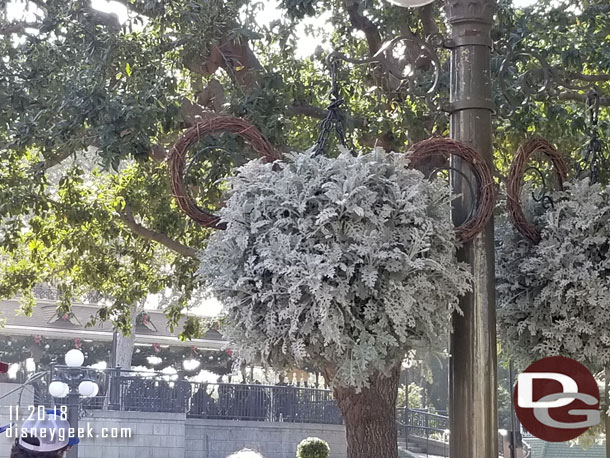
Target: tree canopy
x,y
92,102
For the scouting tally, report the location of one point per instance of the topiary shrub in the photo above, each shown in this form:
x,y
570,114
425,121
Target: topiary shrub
x,y
313,447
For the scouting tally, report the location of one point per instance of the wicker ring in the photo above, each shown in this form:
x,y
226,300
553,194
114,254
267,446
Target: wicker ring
x,y
434,153
514,182
177,160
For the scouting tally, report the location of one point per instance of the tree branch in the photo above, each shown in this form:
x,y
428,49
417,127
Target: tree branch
x,y
235,57
192,113
110,20
18,27
52,160
581,97
598,78
127,217
426,15
361,22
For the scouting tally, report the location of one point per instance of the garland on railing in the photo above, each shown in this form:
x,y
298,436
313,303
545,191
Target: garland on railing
x,y
46,351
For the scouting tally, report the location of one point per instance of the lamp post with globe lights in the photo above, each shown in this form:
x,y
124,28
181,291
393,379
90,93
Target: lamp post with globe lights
x,y
72,381
472,374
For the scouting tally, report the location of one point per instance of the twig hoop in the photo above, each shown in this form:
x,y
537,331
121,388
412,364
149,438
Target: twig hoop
x,y
514,181
434,153
177,160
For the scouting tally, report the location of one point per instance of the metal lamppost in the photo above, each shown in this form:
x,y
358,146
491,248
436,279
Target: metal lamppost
x,y
472,377
73,381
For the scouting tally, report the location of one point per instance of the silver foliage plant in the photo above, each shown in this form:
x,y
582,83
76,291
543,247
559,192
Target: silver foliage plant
x,y
341,264
554,297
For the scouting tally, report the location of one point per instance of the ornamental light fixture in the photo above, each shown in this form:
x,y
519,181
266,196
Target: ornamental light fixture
x,y
410,3
72,379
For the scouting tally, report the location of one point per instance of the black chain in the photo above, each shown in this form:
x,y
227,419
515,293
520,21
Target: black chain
x,y
334,118
592,156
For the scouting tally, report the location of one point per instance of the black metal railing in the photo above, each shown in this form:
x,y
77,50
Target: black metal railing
x,y
224,401
252,402
421,424
147,393
263,403
156,392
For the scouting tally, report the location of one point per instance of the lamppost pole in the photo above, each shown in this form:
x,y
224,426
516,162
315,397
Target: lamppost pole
x,y
473,409
73,414
72,381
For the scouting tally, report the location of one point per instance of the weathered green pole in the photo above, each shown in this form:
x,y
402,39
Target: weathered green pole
x,y
473,409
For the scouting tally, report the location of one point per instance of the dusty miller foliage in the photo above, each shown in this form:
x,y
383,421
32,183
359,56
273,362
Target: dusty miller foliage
x,y
553,297
339,264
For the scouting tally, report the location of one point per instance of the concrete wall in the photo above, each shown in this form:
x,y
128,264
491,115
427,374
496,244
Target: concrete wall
x,y
220,438
169,435
153,435
27,399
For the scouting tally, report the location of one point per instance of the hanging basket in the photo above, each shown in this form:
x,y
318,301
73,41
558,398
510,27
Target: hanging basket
x,y
548,281
552,294
434,154
319,228
514,185
177,160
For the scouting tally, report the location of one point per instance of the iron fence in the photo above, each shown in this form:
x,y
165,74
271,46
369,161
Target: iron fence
x,y
155,392
263,403
224,401
423,424
147,393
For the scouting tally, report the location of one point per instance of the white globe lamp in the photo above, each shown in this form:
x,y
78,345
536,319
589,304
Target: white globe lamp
x,y
96,390
411,3
87,388
75,358
58,389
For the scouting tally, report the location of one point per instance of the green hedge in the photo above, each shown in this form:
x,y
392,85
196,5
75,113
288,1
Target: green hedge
x,y
313,447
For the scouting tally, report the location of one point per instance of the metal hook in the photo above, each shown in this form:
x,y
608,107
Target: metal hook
x,y
334,117
592,158
592,103
542,198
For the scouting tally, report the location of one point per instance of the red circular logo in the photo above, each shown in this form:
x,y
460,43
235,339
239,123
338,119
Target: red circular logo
x,y
557,399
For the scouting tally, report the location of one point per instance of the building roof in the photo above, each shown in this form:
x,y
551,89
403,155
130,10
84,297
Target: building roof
x,y
46,322
542,449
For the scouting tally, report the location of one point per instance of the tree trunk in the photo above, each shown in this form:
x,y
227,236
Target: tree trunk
x,y
124,349
124,344
370,417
